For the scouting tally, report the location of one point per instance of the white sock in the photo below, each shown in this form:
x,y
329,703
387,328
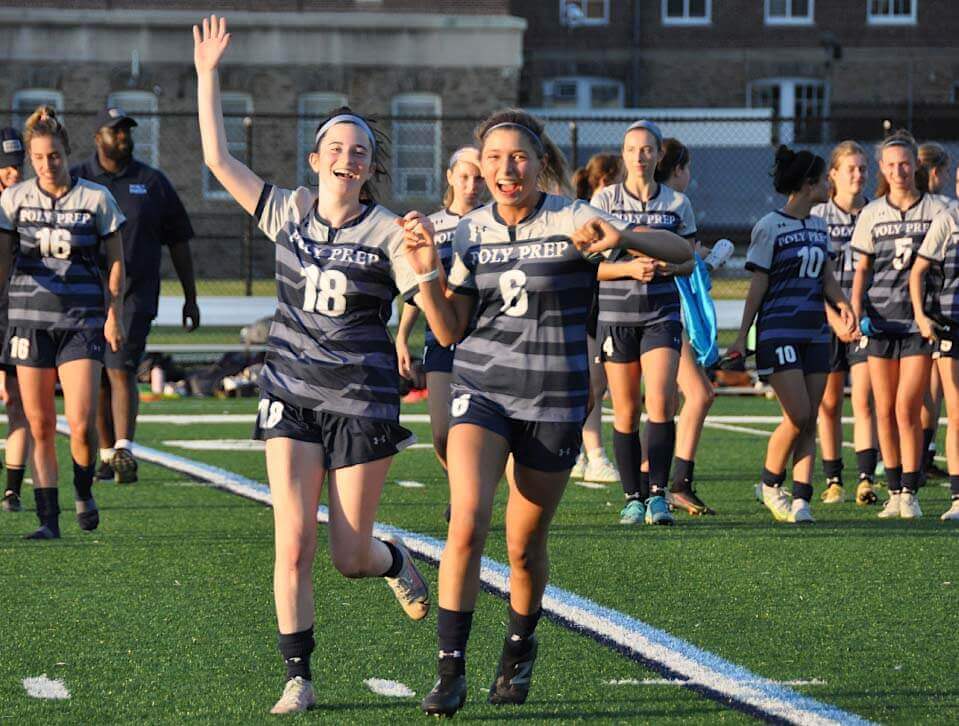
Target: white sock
x,y
106,454
122,444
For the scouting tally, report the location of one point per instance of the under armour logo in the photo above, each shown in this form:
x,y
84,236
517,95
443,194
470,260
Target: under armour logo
x,y
565,452
377,440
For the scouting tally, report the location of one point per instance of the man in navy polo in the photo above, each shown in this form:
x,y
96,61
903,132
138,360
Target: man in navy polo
x,y
155,217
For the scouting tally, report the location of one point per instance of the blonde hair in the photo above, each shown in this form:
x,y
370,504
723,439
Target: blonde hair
x,y
931,156
843,149
44,122
554,176
469,154
899,137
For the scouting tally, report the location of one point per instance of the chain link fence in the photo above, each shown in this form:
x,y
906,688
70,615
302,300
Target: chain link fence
x,y
731,184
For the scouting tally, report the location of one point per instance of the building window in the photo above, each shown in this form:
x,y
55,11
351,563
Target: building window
x,y
26,101
142,106
687,12
236,106
312,108
576,13
801,103
891,12
789,12
582,93
416,144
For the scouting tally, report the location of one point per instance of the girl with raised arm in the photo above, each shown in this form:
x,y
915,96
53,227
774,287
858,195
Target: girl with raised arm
x,y
330,388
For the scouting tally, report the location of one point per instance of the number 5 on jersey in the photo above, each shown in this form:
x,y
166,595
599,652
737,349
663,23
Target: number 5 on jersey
x,y
325,291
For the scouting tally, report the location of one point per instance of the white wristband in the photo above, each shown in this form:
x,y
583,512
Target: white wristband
x,y
429,276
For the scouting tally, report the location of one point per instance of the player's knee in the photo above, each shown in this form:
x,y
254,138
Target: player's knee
x,y
352,563
81,429
296,554
466,534
43,429
525,554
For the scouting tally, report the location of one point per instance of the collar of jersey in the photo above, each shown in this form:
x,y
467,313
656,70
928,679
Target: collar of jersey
x,y
352,223
100,171
536,210
659,189
922,195
73,185
832,201
460,216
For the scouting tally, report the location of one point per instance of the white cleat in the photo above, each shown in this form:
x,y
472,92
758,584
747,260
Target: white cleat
x,y
720,254
777,502
297,697
409,586
891,508
799,513
602,470
579,468
951,514
909,506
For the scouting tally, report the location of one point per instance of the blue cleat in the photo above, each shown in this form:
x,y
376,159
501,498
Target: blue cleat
x,y
657,511
633,512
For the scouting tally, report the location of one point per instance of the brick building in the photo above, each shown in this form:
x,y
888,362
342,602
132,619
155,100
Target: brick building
x,y
805,59
289,62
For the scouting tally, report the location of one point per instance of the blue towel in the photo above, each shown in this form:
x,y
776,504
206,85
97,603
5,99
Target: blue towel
x,y
699,313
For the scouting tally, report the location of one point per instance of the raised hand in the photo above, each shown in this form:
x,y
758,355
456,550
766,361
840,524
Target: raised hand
x,y
418,242
209,43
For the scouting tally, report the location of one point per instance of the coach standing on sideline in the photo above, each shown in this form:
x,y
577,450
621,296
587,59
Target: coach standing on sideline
x,y
155,217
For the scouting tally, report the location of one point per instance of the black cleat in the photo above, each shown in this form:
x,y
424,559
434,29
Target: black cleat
x,y
88,516
43,532
512,680
125,466
105,472
688,500
11,502
446,514
934,471
447,696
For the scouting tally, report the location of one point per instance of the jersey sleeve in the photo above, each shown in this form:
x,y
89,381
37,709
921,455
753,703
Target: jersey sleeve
x,y
278,207
687,226
109,216
759,256
461,279
403,276
583,213
8,211
862,240
934,244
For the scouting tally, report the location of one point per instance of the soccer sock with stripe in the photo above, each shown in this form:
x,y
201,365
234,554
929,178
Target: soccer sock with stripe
x,y
15,478
682,475
520,630
629,458
453,630
866,461
832,468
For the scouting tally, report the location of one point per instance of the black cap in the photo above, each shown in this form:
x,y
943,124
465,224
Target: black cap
x,y
113,116
11,148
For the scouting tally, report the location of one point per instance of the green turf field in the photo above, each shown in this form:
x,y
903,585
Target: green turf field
x,y
165,614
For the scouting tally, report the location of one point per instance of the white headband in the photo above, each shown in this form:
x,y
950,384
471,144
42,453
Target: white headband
x,y
346,118
529,132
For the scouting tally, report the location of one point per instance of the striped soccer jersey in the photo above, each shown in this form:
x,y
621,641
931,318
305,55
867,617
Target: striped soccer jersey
x,y
941,246
892,237
444,229
526,349
329,348
793,253
57,283
630,302
840,224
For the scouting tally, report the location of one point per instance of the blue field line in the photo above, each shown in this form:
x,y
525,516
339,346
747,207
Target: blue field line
x,y
700,670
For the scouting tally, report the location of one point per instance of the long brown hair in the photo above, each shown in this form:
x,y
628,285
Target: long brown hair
x,y
675,156
600,169
931,156
44,122
555,174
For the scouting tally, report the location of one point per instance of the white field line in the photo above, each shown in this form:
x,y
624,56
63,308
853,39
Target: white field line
x,y
392,689
679,682
589,484
46,688
702,671
410,484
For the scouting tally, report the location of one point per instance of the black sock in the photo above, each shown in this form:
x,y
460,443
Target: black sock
x,y
629,458
866,461
894,478
772,480
954,486
521,628
15,478
48,507
453,628
682,475
832,468
83,481
643,485
802,490
296,649
397,556
928,446
911,481
662,441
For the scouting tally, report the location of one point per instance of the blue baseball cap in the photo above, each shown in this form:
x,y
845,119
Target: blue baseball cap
x,y
113,116
11,148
